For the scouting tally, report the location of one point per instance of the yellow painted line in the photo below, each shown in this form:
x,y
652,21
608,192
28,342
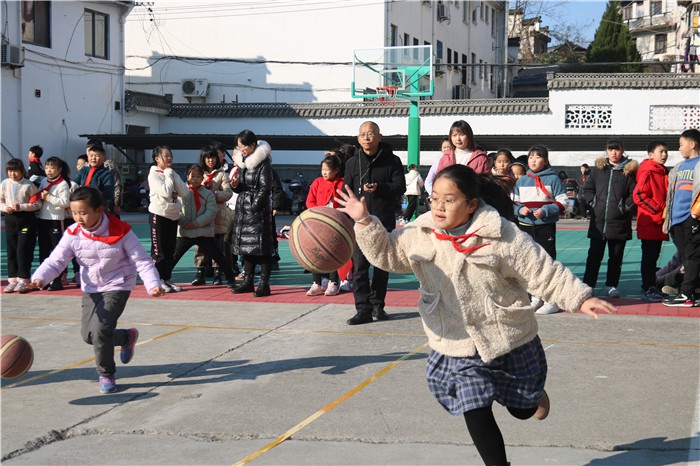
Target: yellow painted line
x,y
326,408
85,361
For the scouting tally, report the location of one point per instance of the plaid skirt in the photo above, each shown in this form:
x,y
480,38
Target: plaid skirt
x,y
515,380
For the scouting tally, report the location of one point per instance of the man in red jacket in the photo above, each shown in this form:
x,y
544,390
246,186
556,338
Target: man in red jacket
x,y
650,197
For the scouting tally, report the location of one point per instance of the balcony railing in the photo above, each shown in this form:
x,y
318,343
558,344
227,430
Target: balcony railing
x,y
664,20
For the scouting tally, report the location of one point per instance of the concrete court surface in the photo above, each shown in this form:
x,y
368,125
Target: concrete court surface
x,y
263,383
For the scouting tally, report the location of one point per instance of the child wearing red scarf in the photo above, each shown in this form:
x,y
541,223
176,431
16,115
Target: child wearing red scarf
x,y
196,223
475,270
54,192
539,198
36,171
110,257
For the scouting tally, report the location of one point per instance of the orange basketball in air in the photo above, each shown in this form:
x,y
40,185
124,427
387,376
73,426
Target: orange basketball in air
x,y
16,356
322,239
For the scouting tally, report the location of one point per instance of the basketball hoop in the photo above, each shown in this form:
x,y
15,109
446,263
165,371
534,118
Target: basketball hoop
x,y
387,95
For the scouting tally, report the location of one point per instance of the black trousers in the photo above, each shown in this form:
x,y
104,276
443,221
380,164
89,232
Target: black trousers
x,y
49,234
368,294
651,250
616,249
20,237
163,239
208,246
544,235
686,237
410,207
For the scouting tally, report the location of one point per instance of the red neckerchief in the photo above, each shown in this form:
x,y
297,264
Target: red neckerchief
x,y
36,159
89,177
457,241
116,231
197,197
207,182
37,196
539,185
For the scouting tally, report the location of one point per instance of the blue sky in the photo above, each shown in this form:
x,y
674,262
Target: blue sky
x,y
584,15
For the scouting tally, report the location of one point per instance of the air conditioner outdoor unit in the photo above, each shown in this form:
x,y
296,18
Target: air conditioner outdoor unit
x,y
195,87
12,55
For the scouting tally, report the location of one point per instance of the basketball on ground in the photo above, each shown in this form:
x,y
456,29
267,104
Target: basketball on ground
x,y
322,239
16,356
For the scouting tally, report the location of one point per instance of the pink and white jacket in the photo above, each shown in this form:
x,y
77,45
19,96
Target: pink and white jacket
x,y
109,258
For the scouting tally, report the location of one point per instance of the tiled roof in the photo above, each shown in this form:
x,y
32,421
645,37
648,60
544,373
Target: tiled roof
x,y
358,109
134,99
623,81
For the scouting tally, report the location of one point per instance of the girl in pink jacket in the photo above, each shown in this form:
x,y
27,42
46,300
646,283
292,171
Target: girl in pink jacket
x,y
110,255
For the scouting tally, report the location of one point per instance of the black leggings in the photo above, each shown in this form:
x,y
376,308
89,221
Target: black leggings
x,y
486,435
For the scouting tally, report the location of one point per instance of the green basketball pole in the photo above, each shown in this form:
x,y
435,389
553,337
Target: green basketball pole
x,y
413,133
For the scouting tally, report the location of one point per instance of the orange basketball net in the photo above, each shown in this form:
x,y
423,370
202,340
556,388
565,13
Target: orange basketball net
x,y
387,95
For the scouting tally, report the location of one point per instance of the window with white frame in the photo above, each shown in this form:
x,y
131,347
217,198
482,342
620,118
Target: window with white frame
x,y
656,8
36,23
96,34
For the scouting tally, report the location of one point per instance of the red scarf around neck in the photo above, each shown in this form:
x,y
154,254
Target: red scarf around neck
x,y
89,177
37,196
539,185
36,159
210,176
198,198
117,230
458,240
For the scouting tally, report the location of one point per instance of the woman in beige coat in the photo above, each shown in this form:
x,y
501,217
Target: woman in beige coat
x,y
475,270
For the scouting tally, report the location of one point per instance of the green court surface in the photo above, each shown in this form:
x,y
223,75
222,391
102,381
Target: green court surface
x,y
572,248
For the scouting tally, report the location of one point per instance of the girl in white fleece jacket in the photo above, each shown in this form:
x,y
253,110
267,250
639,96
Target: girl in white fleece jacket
x,y
166,188
475,270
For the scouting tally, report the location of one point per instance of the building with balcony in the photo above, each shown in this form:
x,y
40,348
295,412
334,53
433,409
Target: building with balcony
x,y
665,31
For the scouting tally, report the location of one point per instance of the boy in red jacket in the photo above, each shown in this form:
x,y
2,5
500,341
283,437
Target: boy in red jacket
x,y
650,197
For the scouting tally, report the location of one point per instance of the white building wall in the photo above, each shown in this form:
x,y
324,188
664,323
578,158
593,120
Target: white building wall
x,y
221,41
630,116
60,92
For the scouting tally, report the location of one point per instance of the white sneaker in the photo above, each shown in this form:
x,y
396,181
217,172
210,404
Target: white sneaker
x,y
346,286
547,308
165,286
613,292
21,287
173,285
315,290
332,289
536,302
11,288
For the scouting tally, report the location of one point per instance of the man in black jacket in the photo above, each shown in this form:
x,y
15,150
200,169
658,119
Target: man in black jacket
x,y
376,174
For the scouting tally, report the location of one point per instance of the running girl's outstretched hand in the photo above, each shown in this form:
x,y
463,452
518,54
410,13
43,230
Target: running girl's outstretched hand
x,y
354,207
591,305
157,291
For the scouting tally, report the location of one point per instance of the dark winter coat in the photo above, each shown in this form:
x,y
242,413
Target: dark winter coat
x,y
608,190
102,180
386,170
252,223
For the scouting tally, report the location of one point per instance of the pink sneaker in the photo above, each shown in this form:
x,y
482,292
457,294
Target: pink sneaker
x,y
332,289
315,290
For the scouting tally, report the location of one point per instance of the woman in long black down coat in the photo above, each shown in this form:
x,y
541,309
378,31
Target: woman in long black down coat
x,y
252,233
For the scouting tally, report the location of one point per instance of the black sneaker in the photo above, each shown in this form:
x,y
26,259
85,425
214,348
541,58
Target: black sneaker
x,y
679,300
380,314
360,318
